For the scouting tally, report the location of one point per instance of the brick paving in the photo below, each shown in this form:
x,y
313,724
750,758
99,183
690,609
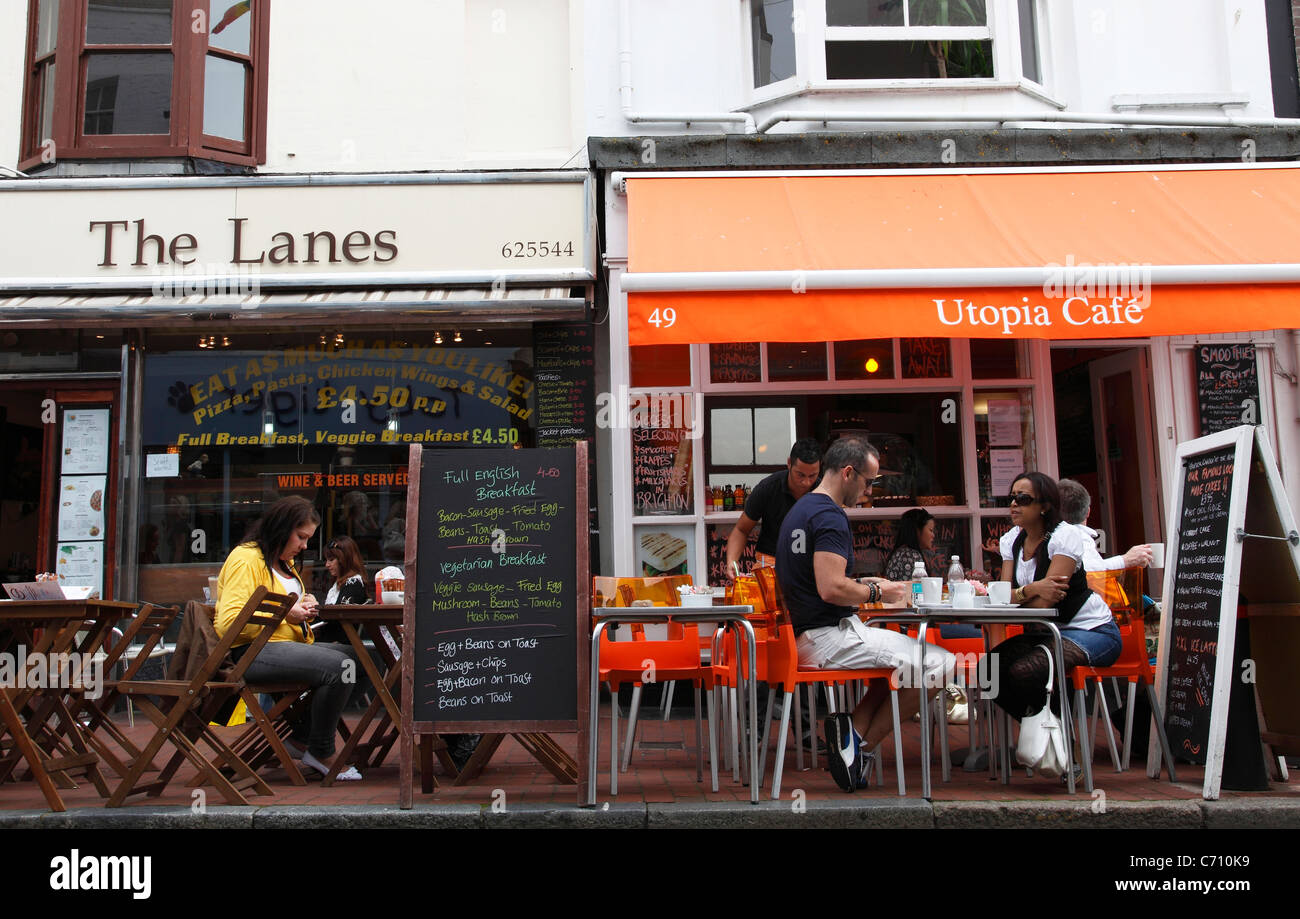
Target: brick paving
x,y
659,775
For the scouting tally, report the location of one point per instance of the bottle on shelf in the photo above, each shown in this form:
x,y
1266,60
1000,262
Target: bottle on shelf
x,y
728,498
956,574
740,497
918,572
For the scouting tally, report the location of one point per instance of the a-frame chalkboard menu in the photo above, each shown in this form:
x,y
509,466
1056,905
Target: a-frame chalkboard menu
x,y
496,608
1232,571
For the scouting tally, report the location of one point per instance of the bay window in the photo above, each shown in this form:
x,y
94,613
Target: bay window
x,y
145,78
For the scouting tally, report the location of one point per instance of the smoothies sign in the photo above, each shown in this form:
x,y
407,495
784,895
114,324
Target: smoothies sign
x,y
366,392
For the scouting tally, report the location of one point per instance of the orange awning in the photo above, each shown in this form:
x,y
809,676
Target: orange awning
x,y
1053,254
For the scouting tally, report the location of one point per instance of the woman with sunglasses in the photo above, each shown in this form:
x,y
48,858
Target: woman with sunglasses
x,y
1042,557
266,559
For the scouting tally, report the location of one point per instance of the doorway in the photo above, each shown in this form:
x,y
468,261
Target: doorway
x,y
22,443
1105,440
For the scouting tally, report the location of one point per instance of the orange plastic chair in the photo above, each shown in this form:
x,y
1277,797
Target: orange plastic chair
x,y
783,670
1133,665
641,661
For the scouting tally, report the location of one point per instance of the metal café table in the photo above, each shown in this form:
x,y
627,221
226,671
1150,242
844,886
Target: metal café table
x,y
927,615
735,618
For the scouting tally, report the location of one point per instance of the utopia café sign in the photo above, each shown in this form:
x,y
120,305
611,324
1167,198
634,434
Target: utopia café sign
x,y
299,231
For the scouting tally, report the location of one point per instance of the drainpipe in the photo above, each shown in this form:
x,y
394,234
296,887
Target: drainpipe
x,y
625,87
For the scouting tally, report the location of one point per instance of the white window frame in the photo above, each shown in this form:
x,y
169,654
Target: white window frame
x,y
811,34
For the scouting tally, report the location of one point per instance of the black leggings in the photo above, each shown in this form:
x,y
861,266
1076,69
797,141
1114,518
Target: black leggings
x,y
1022,672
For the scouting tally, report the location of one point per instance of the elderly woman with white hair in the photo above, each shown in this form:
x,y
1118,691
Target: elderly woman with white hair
x,y
1075,504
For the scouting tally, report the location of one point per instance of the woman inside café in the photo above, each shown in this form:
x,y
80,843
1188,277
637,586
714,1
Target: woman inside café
x,y
915,535
266,559
347,584
1042,557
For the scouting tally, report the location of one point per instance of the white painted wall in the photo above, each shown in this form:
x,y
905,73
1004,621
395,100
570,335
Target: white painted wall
x,y
395,85
691,56
423,84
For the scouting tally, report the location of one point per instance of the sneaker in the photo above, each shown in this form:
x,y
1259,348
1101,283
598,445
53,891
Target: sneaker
x,y
844,753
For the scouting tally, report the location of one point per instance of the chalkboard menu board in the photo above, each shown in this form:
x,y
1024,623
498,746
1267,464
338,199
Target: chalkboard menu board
x,y
496,588
564,361
735,362
926,358
717,534
1227,386
661,471
1196,602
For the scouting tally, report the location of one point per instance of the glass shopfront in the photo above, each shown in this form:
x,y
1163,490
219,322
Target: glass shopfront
x,y
240,420
953,420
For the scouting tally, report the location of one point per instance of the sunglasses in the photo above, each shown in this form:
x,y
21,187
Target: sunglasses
x,y
1023,499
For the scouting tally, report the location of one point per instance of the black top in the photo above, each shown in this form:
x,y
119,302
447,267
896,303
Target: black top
x,y
768,504
815,524
1077,591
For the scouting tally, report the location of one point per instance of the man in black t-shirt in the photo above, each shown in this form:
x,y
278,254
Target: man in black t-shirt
x,y
772,499
814,555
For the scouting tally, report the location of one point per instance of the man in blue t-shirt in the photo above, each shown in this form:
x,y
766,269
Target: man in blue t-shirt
x,y
814,554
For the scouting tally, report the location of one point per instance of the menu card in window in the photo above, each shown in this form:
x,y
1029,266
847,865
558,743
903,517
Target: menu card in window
x,y
81,564
1005,466
85,441
1227,386
81,507
1004,423
661,471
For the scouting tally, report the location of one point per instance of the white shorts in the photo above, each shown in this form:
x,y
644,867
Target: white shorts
x,y
852,646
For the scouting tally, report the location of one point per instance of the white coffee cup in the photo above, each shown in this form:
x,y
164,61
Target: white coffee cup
x,y
932,591
963,595
1000,592
1157,554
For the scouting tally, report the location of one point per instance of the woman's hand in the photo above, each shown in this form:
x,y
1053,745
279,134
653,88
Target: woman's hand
x,y
303,611
1050,589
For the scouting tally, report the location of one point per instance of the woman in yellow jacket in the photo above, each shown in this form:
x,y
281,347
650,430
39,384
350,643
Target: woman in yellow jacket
x,y
291,656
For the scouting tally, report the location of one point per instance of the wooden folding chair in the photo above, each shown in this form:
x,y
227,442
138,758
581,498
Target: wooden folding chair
x,y
149,628
191,704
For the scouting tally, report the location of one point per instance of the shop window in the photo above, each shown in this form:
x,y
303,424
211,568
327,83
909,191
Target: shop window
x,y
659,365
798,360
925,358
998,359
232,423
1004,442
60,350
144,78
917,435
864,359
736,362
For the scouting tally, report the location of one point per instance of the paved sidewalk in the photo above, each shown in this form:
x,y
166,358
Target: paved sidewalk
x,y
660,790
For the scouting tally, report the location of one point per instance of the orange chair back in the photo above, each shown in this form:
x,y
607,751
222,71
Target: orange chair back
x,y
614,591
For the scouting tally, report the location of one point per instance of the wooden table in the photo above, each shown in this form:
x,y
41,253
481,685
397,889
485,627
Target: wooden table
x,y
50,628
371,750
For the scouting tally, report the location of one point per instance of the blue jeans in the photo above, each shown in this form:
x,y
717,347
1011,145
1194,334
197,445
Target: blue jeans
x,y
323,666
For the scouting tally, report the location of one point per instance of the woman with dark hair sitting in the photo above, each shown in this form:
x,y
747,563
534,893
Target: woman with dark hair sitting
x,y
1042,557
348,584
266,559
915,533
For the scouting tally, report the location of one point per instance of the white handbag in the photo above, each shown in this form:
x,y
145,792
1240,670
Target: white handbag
x,y
1042,737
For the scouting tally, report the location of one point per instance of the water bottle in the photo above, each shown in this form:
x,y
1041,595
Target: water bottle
x,y
956,575
918,572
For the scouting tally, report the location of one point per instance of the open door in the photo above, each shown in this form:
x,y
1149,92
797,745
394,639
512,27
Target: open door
x,y
1128,474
